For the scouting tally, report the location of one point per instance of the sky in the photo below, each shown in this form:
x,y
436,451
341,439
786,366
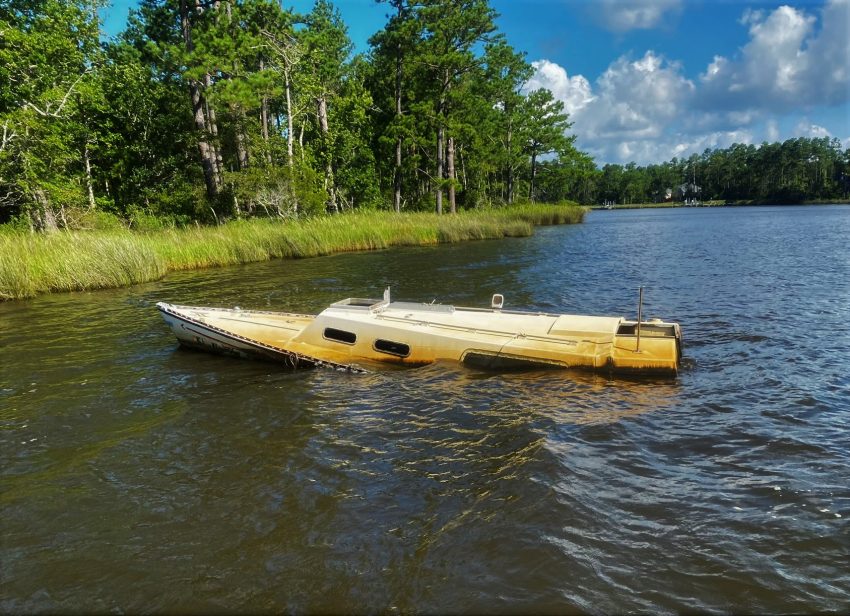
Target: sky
x,y
648,80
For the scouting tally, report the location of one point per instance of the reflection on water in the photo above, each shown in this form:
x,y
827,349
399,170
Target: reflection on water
x,y
140,477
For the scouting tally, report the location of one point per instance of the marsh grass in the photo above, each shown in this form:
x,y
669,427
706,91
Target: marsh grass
x,y
79,260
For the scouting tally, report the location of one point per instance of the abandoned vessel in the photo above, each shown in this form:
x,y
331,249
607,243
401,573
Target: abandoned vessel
x,y
353,333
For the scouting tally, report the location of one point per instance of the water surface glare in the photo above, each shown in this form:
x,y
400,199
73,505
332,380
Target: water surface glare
x,y
138,477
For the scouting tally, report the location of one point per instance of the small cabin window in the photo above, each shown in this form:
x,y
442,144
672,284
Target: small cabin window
x,y
340,335
398,349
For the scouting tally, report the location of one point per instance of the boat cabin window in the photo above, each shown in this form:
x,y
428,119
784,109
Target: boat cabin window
x,y
340,335
398,349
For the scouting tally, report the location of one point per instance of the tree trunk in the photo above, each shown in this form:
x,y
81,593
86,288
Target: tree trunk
x,y
397,178
398,143
441,137
290,137
465,181
450,172
301,141
208,160
241,149
239,115
264,110
322,112
212,123
289,134
42,218
439,178
264,123
264,119
89,185
510,163
533,176
241,138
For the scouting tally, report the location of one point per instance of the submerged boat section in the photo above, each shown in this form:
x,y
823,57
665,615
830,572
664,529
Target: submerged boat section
x,y
355,332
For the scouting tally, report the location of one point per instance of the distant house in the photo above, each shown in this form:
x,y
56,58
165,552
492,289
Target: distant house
x,y
686,191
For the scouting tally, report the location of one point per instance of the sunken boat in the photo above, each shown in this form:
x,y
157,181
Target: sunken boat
x,y
355,334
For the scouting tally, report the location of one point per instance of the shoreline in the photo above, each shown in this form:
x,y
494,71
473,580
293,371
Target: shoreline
x,y
34,264
639,206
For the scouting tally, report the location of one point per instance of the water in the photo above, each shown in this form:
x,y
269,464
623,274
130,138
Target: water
x,y
138,477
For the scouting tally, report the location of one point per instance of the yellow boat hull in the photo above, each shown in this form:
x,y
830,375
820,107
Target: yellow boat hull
x,y
353,333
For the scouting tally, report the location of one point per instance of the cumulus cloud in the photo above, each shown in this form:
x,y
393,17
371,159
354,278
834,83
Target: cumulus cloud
x,y
575,92
829,55
629,110
805,128
647,110
787,62
625,15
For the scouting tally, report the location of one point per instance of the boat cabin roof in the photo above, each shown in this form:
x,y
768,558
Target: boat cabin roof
x,y
380,305
533,323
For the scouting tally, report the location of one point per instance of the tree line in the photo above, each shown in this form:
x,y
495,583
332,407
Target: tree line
x,y
793,171
208,110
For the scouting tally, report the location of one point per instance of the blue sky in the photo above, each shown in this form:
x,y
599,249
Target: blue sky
x,y
647,80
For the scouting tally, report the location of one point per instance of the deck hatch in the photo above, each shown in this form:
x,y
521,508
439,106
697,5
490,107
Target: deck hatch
x,y
664,330
340,335
399,349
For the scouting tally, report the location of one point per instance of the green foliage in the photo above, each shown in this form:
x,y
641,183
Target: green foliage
x,y
48,52
145,222
277,192
208,112
97,221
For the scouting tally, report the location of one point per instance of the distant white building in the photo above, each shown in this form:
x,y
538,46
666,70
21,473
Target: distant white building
x,y
687,191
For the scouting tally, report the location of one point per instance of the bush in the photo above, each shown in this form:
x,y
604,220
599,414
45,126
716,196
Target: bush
x,y
94,220
139,220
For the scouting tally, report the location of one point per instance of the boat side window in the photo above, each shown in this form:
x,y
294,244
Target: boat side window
x,y
398,349
340,335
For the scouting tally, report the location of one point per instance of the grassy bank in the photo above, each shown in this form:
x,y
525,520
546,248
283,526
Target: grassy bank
x,y
31,264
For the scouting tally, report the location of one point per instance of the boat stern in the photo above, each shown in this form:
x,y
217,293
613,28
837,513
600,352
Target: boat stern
x,y
647,347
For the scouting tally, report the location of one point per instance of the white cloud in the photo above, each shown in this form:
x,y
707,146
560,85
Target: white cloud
x,y
787,63
720,139
575,92
805,128
648,111
625,15
772,130
628,112
829,55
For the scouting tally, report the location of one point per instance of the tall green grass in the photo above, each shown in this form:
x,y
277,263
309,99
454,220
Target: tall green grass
x,y
78,260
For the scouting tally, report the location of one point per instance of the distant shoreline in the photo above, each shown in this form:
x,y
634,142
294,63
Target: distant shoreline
x,y
638,206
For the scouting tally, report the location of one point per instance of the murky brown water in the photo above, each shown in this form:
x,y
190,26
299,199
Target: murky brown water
x,y
137,477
